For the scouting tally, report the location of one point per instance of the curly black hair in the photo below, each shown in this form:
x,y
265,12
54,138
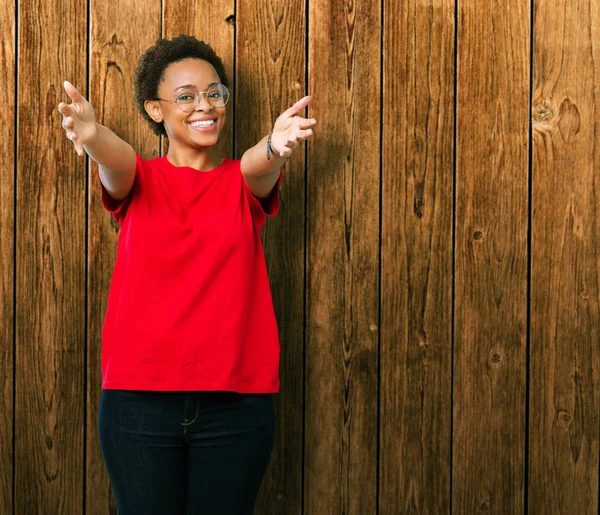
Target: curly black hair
x,y
154,61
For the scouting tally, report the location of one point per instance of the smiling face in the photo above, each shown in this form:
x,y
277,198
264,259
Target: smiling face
x,y
186,129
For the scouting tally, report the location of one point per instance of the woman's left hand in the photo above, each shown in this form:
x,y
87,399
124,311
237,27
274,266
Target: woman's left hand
x,y
290,129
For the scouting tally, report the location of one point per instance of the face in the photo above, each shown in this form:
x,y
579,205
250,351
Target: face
x,y
187,77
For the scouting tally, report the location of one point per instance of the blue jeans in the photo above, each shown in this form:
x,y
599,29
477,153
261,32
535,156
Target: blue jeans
x,y
177,453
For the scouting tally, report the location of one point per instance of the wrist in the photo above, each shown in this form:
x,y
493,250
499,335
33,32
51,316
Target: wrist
x,y
271,151
90,134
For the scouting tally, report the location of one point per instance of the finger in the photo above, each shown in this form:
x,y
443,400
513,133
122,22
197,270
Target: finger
x,y
297,107
307,124
305,134
72,92
72,137
66,109
67,123
78,147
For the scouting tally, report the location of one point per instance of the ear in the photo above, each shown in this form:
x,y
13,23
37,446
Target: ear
x,y
153,109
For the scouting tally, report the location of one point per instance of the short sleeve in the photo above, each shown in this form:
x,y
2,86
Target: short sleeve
x,y
268,206
118,208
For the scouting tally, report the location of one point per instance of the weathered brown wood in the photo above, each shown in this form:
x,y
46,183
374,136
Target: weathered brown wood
x,y
416,271
565,295
189,17
117,43
50,264
339,473
270,77
343,258
491,257
7,191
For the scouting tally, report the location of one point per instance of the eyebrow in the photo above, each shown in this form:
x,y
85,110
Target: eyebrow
x,y
185,86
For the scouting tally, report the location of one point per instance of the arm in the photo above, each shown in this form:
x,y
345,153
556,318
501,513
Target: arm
x,y
261,173
115,157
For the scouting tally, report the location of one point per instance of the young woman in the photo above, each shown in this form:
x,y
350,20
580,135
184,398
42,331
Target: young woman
x,y
190,348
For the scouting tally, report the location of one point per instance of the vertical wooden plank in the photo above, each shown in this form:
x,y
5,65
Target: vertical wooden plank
x,y
343,258
416,285
563,465
50,264
189,17
7,191
491,257
116,45
270,77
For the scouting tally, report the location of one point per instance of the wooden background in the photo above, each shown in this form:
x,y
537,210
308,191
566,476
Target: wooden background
x,y
435,265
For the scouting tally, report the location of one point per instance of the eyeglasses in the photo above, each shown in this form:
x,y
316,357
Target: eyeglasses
x,y
217,96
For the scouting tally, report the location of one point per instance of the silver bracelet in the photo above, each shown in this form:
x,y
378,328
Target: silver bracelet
x,y
270,148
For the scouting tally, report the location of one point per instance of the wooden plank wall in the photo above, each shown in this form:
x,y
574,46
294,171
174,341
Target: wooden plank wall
x,y
7,265
435,265
50,261
565,256
416,257
490,309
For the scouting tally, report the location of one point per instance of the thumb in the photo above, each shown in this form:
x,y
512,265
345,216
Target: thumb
x,y
72,92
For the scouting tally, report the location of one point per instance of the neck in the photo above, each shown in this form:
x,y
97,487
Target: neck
x,y
203,158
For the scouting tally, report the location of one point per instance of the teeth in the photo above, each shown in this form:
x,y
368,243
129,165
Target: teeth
x,y
202,124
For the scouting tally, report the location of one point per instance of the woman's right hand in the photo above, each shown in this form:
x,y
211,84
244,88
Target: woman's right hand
x,y
79,120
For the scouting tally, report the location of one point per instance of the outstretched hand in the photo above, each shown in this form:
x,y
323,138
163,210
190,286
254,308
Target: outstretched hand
x,y
79,120
290,129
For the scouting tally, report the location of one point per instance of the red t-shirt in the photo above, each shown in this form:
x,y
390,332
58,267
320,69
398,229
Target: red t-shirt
x,y
189,305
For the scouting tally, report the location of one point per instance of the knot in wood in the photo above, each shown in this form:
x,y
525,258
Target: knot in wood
x,y
543,113
563,418
495,358
569,121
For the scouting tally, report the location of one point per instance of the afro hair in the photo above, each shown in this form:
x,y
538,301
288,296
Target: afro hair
x,y
155,60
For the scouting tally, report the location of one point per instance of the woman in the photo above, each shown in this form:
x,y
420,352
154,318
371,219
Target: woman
x,y
190,348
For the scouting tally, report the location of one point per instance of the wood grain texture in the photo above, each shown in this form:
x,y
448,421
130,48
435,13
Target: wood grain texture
x,y
7,204
416,272
116,45
491,257
189,17
443,441
270,77
565,294
50,261
343,258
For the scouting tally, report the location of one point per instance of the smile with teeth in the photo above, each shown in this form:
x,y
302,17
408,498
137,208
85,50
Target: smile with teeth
x,y
206,123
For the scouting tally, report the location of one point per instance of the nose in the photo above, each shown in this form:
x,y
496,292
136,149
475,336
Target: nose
x,y
203,102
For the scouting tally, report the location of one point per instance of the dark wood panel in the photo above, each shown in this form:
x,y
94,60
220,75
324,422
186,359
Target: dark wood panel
x,y
565,295
116,45
491,257
416,284
50,261
7,191
189,17
343,258
270,77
